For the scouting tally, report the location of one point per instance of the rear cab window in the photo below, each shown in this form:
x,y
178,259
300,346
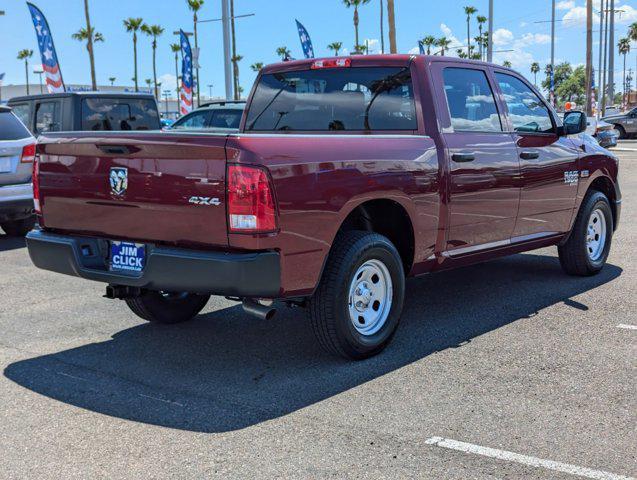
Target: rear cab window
x,y
357,99
119,114
11,128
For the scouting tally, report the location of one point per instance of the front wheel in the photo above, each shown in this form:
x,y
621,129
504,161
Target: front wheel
x,y
166,307
357,305
621,131
588,246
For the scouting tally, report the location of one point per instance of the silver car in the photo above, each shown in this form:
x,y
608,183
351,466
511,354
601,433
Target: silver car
x,y
625,123
17,152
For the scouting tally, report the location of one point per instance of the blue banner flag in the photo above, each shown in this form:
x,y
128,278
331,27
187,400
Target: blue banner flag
x,y
185,96
421,47
50,65
306,43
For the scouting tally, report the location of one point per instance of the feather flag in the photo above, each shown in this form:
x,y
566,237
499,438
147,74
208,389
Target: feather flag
x,y
185,96
306,43
50,65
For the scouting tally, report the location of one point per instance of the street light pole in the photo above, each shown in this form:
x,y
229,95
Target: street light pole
x,y
210,87
611,53
589,57
599,64
39,73
490,44
552,84
227,62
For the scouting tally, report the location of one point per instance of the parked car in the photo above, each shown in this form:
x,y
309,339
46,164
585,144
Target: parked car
x,y
222,116
603,132
624,123
408,165
94,111
17,151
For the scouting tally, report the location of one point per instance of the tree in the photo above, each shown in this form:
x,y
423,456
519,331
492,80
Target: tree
x,y
176,48
154,31
25,55
535,69
195,6
461,53
149,82
133,25
256,67
562,72
284,53
360,49
112,80
355,4
469,11
573,86
335,47
235,61
443,43
481,21
624,49
429,41
507,64
91,37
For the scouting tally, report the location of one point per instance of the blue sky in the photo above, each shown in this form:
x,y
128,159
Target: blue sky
x,y
273,26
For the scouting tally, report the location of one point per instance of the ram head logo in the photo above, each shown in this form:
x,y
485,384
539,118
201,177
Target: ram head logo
x,y
118,180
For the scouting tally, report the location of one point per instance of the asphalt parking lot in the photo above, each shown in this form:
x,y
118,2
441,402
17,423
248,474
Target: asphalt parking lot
x,y
508,369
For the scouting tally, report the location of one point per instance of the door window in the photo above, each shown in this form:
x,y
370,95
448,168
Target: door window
x,y
471,101
226,118
47,117
527,111
119,114
194,120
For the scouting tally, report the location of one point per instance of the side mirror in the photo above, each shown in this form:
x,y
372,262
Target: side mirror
x,y
574,122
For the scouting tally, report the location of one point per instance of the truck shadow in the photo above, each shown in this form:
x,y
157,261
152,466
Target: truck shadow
x,y
11,243
226,371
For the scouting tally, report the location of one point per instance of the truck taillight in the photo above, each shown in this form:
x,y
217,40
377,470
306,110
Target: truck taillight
x,y
28,153
251,205
35,179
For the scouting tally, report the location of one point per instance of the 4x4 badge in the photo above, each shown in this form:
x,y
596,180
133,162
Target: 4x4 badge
x,y
118,179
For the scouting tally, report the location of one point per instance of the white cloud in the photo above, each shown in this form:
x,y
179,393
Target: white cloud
x,y
565,5
528,39
168,81
502,36
576,15
373,44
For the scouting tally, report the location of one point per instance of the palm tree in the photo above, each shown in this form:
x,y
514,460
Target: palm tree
x,y
154,31
429,41
624,49
355,4
535,69
391,19
335,47
235,64
481,21
469,11
235,61
461,53
506,64
256,67
149,82
91,37
112,80
133,25
443,43
284,53
25,55
176,48
195,6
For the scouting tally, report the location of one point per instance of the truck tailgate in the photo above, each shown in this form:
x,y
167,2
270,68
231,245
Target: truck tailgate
x,y
149,187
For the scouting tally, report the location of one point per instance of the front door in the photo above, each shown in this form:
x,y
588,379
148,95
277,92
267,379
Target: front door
x,y
483,164
548,162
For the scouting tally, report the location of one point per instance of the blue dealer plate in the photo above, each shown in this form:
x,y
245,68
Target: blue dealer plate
x,y
127,257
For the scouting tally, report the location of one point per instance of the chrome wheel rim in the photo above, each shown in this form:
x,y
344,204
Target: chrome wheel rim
x,y
596,235
370,297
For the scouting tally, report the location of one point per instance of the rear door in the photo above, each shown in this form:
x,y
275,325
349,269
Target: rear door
x,y
483,162
549,163
14,136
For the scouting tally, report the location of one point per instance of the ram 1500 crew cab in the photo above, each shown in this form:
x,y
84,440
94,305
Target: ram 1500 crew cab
x,y
347,175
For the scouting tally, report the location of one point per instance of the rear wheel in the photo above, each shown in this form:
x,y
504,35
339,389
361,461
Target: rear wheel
x,y
18,228
356,308
587,248
621,131
166,307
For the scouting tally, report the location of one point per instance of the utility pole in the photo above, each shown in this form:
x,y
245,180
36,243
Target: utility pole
x,y
490,36
382,29
604,62
599,65
227,62
391,18
552,84
611,53
589,56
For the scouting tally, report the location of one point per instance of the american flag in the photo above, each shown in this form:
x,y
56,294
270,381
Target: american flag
x,y
185,100
306,43
50,65
421,47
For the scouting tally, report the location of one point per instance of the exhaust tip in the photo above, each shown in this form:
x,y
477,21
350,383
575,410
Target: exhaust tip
x,y
254,308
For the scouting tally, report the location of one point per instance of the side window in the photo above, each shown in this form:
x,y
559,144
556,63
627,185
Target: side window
x,y
119,114
194,120
527,111
22,111
47,117
226,118
471,101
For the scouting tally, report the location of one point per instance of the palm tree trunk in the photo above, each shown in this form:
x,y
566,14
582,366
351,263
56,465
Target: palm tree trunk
x,y
625,98
26,72
155,67
177,76
235,73
391,17
480,45
89,45
194,18
356,26
382,29
135,59
468,36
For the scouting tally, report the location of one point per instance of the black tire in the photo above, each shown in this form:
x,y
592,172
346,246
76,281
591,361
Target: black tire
x,y
329,307
18,228
574,254
622,132
159,307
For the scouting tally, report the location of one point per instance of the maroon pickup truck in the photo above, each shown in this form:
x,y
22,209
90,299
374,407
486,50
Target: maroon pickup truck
x,y
347,175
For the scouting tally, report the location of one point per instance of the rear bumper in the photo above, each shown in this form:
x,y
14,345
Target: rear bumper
x,y
169,269
16,201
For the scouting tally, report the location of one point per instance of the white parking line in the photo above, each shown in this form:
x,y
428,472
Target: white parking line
x,y
161,400
627,327
524,459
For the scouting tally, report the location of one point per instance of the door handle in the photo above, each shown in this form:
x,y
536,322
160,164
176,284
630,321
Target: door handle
x,y
529,155
463,157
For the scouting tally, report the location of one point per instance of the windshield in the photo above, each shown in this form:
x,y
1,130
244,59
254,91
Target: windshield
x,y
338,99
